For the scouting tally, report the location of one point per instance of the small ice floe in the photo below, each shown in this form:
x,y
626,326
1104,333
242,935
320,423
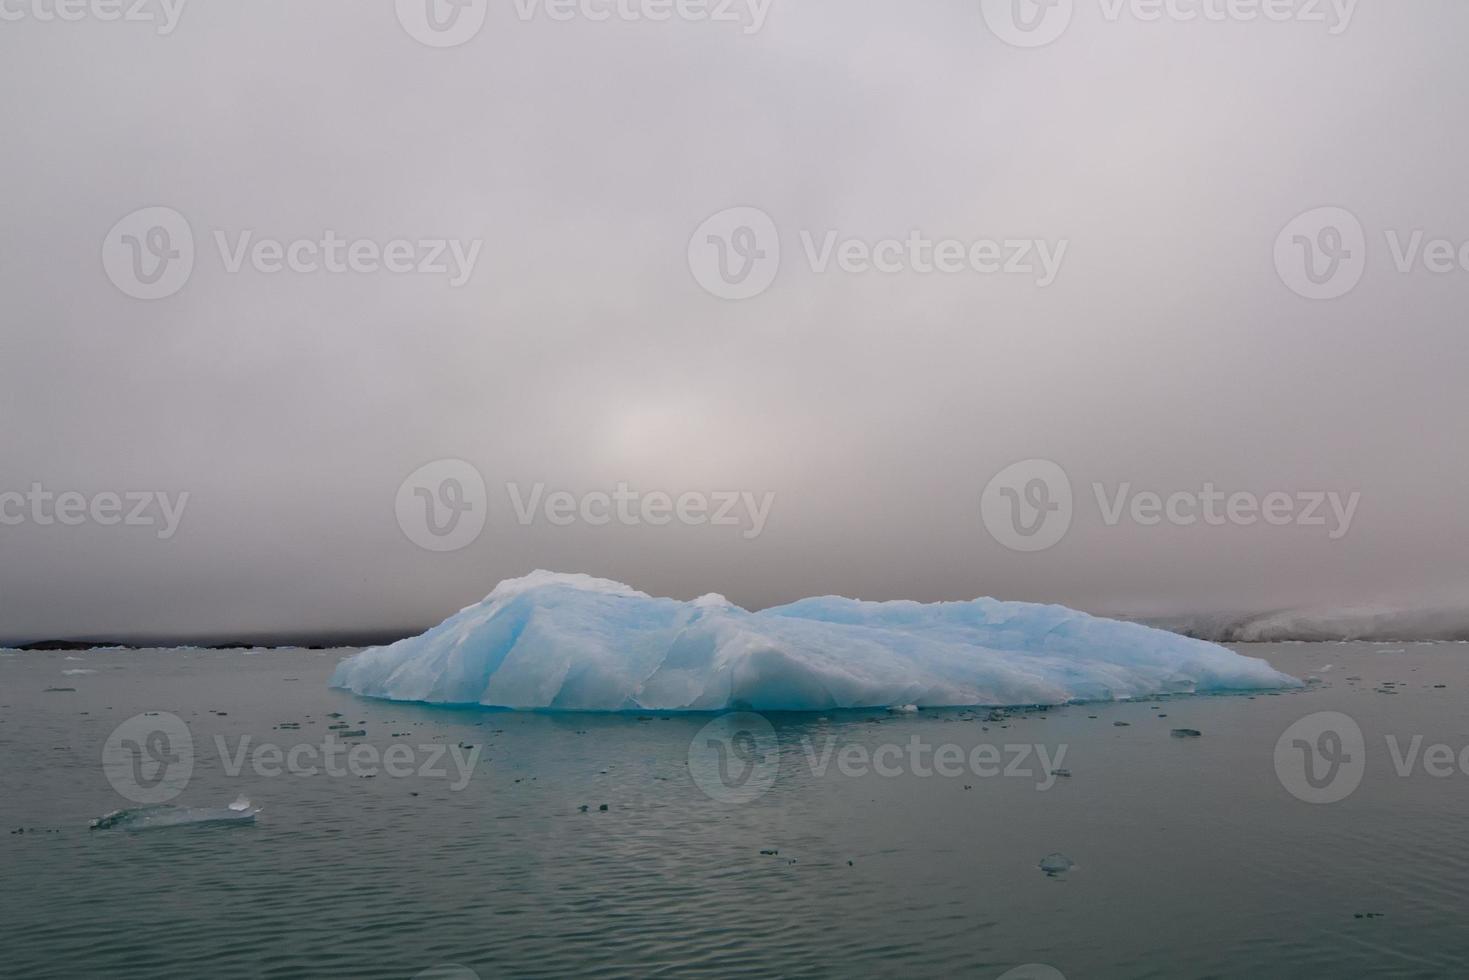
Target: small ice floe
x,y
903,709
1324,668
77,670
1056,864
167,815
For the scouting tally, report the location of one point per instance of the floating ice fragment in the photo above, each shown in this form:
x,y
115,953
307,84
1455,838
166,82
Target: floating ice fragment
x,y
1056,863
167,815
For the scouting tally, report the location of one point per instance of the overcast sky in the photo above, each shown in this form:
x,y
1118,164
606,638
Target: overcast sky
x,y
1157,164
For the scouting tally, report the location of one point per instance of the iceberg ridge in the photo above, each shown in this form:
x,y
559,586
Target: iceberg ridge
x,y
577,643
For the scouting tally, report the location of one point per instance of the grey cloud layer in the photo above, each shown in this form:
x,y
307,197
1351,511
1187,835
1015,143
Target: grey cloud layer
x,y
580,353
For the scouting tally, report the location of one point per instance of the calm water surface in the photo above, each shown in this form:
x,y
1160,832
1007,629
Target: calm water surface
x,y
1192,856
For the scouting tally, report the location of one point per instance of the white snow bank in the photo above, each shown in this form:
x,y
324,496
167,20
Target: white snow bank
x,y
577,643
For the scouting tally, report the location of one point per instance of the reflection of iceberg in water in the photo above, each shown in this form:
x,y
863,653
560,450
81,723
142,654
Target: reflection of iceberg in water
x,y
166,815
577,643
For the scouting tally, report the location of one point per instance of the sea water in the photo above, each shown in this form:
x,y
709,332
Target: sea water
x,y
864,843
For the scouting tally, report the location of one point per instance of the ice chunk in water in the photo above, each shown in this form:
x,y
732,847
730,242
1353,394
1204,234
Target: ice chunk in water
x,y
167,815
1056,863
577,643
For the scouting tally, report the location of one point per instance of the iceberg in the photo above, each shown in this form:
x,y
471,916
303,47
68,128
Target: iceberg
x,y
571,642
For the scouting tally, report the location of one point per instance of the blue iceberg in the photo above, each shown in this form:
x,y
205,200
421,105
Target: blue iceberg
x,y
577,643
